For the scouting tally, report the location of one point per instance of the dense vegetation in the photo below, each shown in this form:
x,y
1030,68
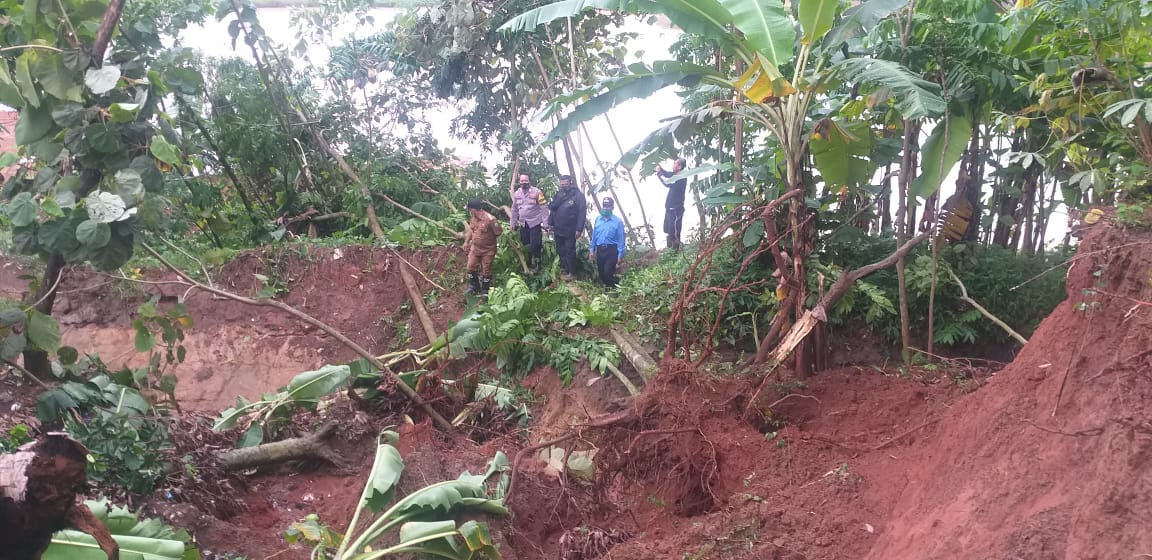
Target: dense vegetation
x,y
821,139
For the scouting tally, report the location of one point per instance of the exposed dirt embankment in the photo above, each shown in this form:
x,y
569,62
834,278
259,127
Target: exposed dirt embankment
x,y
1053,457
236,349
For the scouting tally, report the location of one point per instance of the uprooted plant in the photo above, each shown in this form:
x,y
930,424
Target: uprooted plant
x,y
137,538
423,522
521,328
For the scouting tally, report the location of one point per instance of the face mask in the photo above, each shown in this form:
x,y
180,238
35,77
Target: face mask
x,y
605,212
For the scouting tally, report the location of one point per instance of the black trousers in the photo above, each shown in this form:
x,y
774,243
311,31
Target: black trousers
x,y
606,258
533,238
673,222
566,248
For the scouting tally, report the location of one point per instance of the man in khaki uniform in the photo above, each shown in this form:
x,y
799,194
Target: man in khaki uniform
x,y
480,240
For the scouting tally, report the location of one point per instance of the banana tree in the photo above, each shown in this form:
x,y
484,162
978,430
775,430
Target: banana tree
x,y
424,517
763,37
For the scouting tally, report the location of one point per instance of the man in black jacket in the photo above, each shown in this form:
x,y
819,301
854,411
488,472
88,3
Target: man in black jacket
x,y
568,216
674,203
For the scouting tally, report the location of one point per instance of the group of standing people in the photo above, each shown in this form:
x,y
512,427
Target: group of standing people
x,y
566,218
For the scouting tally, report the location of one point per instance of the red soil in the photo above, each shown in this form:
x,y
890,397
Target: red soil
x,y
1047,459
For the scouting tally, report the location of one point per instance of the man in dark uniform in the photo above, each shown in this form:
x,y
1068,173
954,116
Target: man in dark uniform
x,y
568,217
674,203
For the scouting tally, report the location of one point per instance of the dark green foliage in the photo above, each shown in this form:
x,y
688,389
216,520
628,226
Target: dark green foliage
x,y
524,329
17,435
127,451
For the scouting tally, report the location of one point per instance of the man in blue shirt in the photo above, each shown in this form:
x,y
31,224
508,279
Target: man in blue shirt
x,y
607,247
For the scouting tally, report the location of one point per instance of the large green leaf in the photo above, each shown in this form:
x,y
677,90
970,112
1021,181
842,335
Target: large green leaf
x,y
677,129
118,250
42,331
22,210
130,187
58,236
34,124
148,539
312,385
24,82
446,496
841,153
105,207
9,93
57,80
936,159
12,346
642,82
548,13
102,80
700,17
816,18
858,20
68,115
164,151
916,97
432,539
386,471
93,234
767,28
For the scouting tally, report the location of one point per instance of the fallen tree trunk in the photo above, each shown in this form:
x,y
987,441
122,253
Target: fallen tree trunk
x,y
38,488
629,346
418,302
314,446
633,352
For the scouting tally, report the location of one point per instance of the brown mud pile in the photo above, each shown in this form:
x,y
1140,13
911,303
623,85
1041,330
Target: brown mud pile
x,y
1053,457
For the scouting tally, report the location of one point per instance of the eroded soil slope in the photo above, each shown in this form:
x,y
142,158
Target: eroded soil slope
x,y
1053,457
236,349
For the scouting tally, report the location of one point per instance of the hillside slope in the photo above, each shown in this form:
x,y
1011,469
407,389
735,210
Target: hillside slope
x,y
1051,458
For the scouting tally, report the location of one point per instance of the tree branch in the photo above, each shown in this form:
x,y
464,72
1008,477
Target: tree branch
x,y
964,296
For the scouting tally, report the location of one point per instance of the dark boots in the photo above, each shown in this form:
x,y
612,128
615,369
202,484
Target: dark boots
x,y
473,285
485,284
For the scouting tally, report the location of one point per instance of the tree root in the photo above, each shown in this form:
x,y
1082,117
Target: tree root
x,y
605,422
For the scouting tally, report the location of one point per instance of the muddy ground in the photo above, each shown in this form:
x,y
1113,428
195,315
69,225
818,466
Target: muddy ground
x,y
1047,458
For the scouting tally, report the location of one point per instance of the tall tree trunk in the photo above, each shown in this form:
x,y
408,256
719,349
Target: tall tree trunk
x,y
797,211
884,203
1006,212
1046,218
1024,215
738,140
973,171
36,361
907,172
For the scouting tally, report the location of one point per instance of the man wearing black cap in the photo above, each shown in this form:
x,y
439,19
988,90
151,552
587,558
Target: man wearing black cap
x,y
607,247
480,239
